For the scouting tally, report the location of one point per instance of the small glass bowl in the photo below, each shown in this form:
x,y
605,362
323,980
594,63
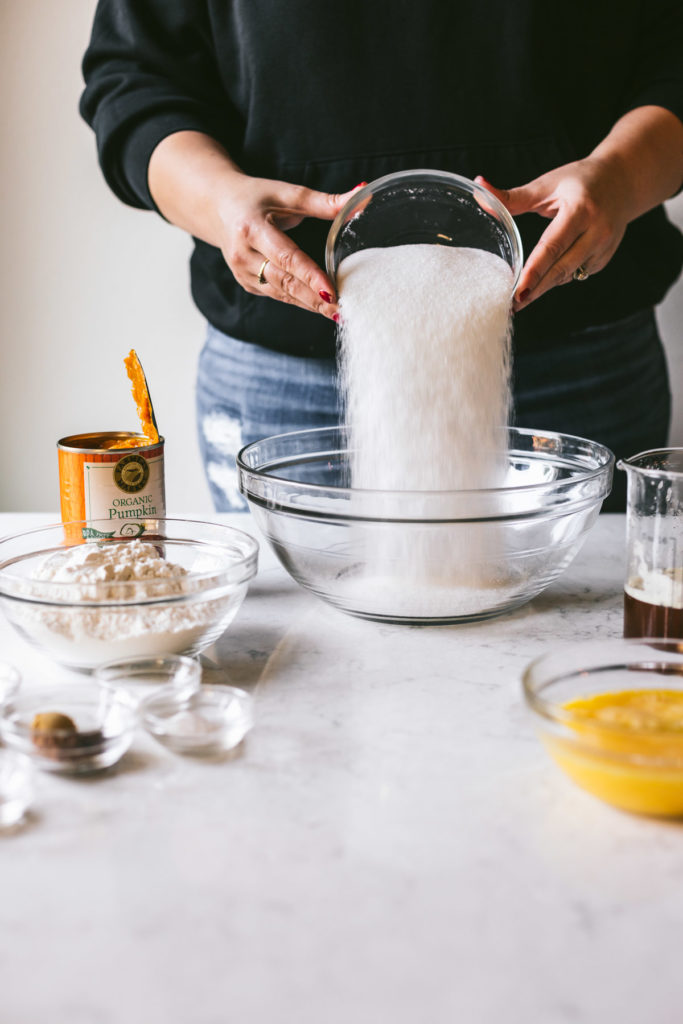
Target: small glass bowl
x,y
10,680
16,787
143,676
622,753
211,720
102,725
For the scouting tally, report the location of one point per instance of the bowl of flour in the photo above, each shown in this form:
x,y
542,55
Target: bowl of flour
x,y
172,588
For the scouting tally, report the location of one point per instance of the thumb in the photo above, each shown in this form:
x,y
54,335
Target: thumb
x,y
324,205
516,200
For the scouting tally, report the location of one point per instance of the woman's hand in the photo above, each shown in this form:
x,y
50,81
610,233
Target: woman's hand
x,y
590,202
255,215
197,186
588,214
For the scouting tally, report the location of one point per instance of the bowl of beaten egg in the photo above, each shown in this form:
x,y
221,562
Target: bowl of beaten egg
x,y
610,714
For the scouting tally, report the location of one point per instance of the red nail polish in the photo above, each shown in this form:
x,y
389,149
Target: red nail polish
x,y
325,296
360,184
523,296
335,317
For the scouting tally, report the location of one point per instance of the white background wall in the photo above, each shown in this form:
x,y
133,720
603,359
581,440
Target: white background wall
x,y
83,279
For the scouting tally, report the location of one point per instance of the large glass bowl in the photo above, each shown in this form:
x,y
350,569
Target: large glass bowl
x,y
424,206
447,556
83,625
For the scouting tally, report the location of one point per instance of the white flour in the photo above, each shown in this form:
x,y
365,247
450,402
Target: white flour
x,y
425,370
120,572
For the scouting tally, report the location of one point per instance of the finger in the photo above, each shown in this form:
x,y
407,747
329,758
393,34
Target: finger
x,y
524,199
579,255
590,257
310,203
271,281
291,260
558,237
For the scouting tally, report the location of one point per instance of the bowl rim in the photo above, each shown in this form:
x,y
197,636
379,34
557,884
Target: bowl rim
x,y
248,561
20,733
630,465
432,174
553,712
602,450
10,680
178,701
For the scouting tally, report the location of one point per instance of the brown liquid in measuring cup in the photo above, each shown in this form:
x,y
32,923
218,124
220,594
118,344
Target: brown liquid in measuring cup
x,y
644,619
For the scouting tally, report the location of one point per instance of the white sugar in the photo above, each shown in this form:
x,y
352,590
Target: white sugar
x,y
425,369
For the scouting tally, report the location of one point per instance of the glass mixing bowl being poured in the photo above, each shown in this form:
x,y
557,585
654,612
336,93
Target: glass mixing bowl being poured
x,y
424,206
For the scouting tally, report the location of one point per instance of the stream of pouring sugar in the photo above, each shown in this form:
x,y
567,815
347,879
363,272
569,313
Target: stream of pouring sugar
x,y
424,355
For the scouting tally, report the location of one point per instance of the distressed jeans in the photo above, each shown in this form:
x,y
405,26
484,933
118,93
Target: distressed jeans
x,y
607,383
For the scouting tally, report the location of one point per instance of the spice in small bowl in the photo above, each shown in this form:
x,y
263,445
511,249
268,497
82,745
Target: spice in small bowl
x,y
71,729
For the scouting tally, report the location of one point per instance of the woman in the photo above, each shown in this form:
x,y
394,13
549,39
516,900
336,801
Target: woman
x,y
247,122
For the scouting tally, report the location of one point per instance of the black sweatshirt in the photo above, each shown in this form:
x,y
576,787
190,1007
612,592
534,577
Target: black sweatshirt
x,y
328,95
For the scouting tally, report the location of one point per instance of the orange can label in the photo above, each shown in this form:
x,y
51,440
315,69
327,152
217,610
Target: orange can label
x,y
112,485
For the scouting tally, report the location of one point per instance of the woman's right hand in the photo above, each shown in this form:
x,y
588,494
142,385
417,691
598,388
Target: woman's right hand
x,y
255,215
197,186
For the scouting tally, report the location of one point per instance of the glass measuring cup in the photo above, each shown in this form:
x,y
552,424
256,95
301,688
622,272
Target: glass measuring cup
x,y
424,206
653,589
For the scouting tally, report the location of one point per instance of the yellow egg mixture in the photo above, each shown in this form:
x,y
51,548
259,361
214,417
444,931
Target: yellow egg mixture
x,y
628,749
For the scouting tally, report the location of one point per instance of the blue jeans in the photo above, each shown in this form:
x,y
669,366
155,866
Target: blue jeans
x,y
608,383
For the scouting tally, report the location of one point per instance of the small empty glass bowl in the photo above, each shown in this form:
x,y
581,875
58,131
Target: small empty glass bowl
x,y
211,720
610,714
71,729
16,787
142,676
10,680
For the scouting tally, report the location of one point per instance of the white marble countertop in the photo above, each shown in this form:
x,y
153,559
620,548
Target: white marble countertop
x,y
390,845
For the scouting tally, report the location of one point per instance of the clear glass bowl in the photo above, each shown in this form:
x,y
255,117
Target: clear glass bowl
x,y
16,787
10,681
140,677
208,721
84,625
424,206
89,729
480,552
633,760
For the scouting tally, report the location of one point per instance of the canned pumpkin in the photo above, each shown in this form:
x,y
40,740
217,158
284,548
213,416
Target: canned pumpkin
x,y
115,475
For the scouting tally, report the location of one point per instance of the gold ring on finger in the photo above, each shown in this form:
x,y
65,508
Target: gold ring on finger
x,y
580,274
261,274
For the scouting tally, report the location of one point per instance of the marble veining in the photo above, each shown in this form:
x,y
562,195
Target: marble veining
x,y
390,844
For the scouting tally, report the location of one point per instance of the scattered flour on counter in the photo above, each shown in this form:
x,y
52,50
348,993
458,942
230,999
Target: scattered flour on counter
x,y
424,352
117,572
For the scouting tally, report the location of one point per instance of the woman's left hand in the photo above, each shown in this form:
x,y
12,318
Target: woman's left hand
x,y
588,211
